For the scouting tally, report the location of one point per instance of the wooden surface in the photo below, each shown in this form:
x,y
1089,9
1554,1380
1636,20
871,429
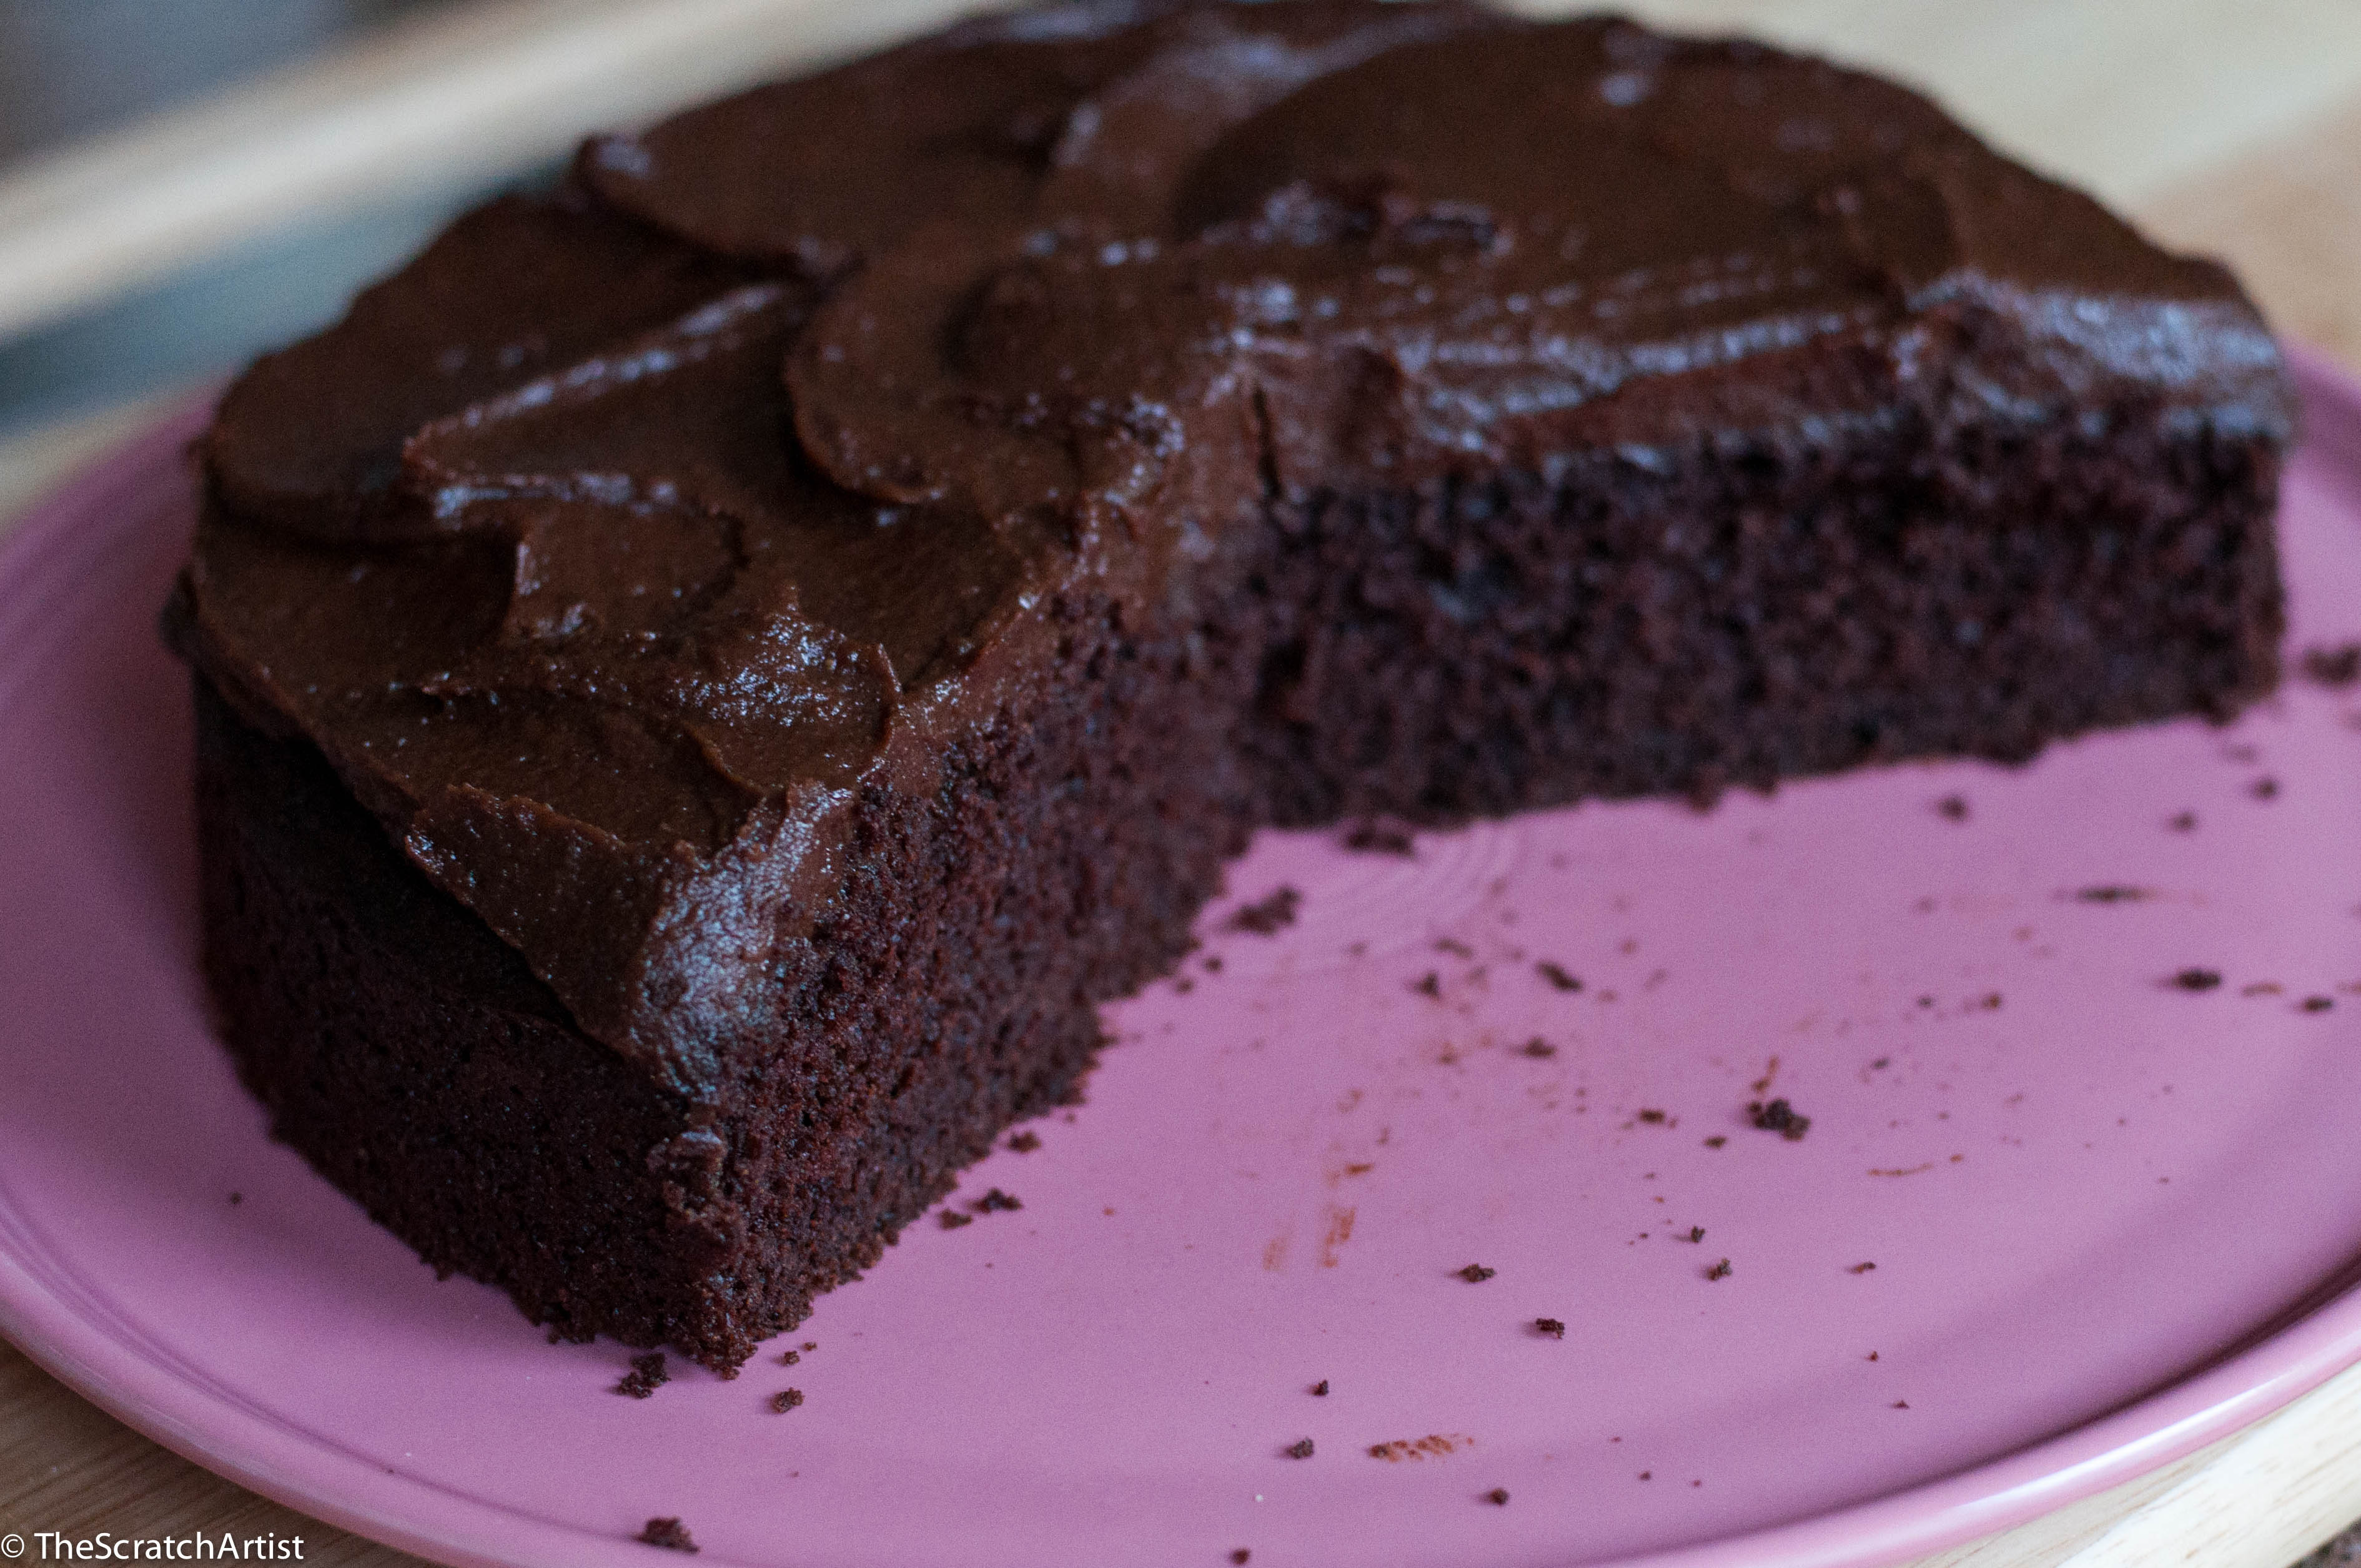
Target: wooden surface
x,y
2226,126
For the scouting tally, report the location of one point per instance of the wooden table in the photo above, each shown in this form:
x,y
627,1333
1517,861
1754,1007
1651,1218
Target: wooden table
x,y
2229,127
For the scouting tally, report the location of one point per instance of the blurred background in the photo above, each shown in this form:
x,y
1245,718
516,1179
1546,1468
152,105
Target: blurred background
x,y
184,183
72,70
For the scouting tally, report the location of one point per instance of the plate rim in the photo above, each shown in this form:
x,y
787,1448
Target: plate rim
x,y
2273,1368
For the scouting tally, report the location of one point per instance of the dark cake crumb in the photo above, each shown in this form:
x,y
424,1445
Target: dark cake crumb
x,y
2336,667
1653,1118
1721,1270
1476,1273
2264,788
787,1399
1428,984
1321,1387
1537,1046
1697,1233
1862,1269
1275,912
1778,1116
2317,1004
1457,949
2197,978
236,1198
1550,1326
994,1202
1241,1556
1301,1449
790,1359
668,1533
646,1376
2114,893
1954,808
952,1220
1901,1404
1025,1142
1715,1141
2182,822
1378,836
1497,1497
1558,976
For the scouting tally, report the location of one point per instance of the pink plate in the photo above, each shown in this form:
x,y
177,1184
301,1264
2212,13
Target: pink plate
x,y
2112,1218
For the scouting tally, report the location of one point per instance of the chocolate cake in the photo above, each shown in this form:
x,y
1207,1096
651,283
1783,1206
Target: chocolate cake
x,y
708,676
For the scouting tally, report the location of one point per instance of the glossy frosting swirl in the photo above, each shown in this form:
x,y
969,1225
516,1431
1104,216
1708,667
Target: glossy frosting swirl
x,y
610,548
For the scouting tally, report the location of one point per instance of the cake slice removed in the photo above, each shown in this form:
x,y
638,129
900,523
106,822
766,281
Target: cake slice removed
x,y
707,678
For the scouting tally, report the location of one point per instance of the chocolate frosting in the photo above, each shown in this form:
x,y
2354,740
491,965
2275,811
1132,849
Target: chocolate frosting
x,y
611,547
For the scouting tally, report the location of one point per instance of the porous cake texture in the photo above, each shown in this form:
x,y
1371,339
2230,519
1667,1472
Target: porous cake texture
x,y
707,677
